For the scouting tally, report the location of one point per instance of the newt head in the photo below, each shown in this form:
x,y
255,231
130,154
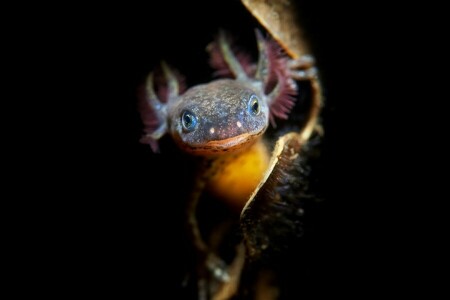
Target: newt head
x,y
222,116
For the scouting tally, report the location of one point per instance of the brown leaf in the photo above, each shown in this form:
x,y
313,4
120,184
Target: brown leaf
x,y
279,17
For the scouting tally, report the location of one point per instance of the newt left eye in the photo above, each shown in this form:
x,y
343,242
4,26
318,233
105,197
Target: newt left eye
x,y
253,105
188,120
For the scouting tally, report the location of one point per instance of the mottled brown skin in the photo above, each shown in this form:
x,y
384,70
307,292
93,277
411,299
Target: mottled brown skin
x,y
225,120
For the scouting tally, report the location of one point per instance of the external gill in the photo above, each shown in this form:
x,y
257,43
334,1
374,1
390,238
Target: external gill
x,y
262,70
303,68
273,72
158,108
158,118
266,68
231,60
172,83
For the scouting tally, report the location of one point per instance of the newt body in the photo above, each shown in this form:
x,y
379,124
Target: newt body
x,y
224,121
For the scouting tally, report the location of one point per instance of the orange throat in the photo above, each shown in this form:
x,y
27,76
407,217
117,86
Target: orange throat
x,y
237,175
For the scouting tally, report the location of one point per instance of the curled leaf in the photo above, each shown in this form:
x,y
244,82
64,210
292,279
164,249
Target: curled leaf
x,y
280,19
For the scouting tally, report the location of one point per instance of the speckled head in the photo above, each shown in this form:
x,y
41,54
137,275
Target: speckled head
x,y
222,116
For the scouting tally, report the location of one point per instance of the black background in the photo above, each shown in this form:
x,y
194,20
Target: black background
x,y
115,234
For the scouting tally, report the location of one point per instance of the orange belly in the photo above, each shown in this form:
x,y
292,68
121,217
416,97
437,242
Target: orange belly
x,y
239,174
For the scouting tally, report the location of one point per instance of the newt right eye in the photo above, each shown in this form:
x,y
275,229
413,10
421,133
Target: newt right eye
x,y
253,105
188,121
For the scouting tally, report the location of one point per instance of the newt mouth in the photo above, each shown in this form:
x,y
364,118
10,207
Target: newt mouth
x,y
222,146
230,142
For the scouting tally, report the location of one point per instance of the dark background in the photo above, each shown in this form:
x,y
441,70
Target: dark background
x,y
116,234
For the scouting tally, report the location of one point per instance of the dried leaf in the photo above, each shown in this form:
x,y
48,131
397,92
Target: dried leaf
x,y
280,19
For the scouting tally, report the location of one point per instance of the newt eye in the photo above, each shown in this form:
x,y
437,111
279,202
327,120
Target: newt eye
x,y
253,105
188,120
